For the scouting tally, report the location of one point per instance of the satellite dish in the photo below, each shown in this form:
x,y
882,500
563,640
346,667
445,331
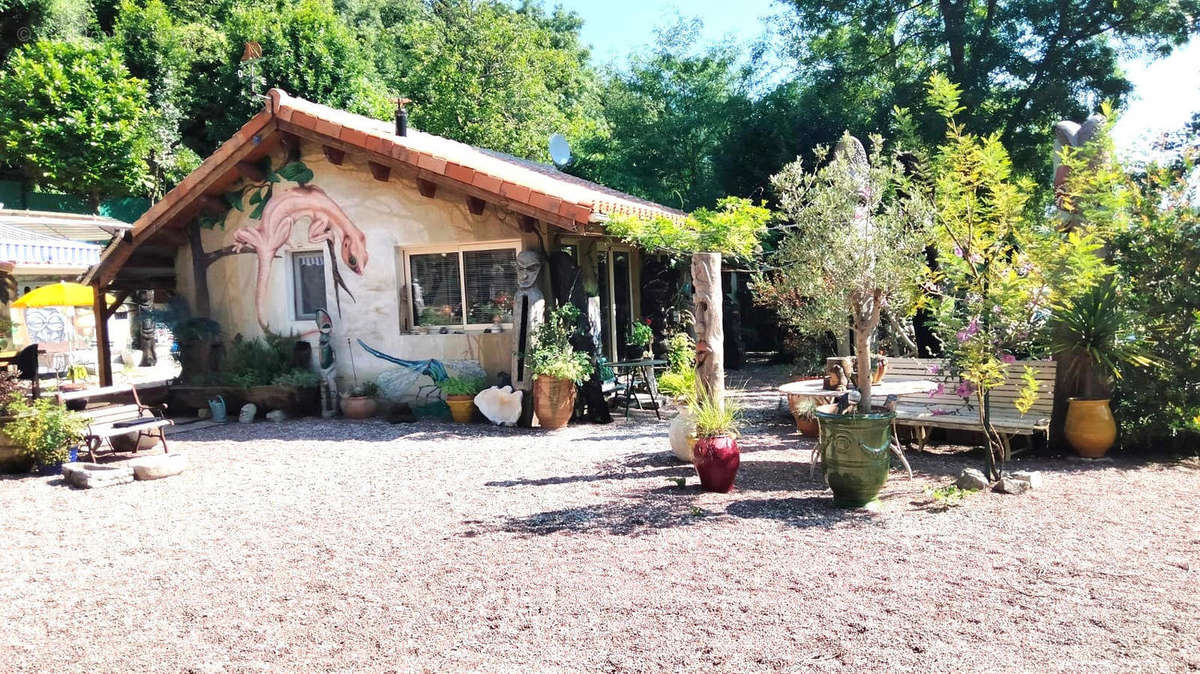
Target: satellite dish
x,y
560,151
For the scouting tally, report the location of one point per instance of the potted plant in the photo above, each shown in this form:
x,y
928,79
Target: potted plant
x,y
858,223
715,455
460,396
359,402
640,336
45,431
12,406
1095,337
803,409
679,384
557,367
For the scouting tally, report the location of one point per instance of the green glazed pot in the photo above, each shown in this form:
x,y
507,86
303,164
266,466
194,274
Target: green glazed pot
x,y
854,450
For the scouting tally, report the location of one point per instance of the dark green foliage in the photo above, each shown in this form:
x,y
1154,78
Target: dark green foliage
x,y
74,120
1159,257
259,361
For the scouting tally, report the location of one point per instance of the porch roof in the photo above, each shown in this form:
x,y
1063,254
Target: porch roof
x,y
526,187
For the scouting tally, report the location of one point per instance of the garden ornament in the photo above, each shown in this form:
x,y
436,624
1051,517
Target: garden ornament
x,y
248,412
1070,134
501,405
326,363
529,310
430,366
145,326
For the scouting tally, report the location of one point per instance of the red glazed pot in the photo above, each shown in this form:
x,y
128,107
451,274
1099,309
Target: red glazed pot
x,y
716,460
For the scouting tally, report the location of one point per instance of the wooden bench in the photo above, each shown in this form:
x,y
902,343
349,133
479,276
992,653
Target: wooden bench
x,y
106,420
951,411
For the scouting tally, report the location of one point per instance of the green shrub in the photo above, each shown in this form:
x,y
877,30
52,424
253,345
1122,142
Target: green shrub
x,y
679,385
299,378
44,430
461,386
259,361
552,354
640,334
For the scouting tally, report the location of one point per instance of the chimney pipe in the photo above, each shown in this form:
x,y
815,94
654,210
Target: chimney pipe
x,y
402,116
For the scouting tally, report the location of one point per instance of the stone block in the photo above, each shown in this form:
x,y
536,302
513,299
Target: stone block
x,y
1033,477
1011,485
92,475
972,479
156,467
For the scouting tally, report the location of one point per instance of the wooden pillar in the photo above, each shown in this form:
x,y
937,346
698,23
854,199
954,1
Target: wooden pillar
x,y
103,347
710,334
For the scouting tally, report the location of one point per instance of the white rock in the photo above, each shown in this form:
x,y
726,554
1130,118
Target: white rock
x,y
92,475
155,467
1033,477
682,426
1011,485
501,406
971,478
247,414
276,415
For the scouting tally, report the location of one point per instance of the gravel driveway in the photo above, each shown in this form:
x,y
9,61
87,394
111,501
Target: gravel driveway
x,y
362,545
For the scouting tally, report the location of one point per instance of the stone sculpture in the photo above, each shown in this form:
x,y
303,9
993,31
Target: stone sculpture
x,y
1071,134
501,405
327,365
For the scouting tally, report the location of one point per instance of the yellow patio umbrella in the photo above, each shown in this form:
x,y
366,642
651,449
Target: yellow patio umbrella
x,y
61,294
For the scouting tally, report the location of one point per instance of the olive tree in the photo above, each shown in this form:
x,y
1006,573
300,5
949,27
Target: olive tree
x,y
852,244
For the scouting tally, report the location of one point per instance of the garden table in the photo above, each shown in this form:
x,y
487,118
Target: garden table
x,y
644,368
815,389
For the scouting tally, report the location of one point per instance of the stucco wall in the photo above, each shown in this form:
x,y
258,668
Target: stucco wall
x,y
392,215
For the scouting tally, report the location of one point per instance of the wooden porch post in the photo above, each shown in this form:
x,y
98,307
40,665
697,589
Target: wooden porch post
x,y
710,333
103,348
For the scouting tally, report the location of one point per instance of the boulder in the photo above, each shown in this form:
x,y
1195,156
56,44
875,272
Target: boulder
x,y
276,415
92,475
1011,485
501,406
160,466
972,479
1033,477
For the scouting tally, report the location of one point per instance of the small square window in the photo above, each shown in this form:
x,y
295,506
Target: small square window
x,y
308,276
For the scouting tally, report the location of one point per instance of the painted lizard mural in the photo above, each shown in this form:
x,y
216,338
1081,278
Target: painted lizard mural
x,y
328,223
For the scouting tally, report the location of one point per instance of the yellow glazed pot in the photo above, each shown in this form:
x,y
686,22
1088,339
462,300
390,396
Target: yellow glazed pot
x,y
1090,428
462,408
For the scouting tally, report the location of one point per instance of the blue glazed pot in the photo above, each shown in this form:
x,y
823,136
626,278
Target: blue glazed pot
x,y
854,450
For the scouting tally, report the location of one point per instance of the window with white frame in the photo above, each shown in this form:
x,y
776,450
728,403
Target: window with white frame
x,y
308,283
462,286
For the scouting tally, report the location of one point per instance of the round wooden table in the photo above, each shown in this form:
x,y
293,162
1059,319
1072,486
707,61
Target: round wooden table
x,y
815,389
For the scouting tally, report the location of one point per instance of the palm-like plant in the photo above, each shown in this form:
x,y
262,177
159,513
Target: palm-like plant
x,y
1103,335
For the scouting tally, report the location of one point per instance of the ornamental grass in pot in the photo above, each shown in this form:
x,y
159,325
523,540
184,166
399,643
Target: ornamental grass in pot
x,y
460,396
557,368
716,455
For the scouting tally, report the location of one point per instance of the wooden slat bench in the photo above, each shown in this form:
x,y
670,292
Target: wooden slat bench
x,y
948,410
107,420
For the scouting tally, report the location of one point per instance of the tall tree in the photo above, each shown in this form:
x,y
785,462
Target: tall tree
x,y
486,74
669,117
1021,64
75,120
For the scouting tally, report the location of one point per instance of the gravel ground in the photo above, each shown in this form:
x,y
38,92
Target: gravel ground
x,y
440,547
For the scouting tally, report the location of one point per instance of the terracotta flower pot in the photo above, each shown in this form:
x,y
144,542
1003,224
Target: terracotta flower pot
x,y
716,460
1090,427
359,407
553,401
462,408
854,451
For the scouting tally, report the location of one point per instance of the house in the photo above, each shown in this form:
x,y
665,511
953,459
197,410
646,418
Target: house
x,y
38,248
408,240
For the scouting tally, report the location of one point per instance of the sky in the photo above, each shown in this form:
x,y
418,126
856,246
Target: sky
x,y
1166,91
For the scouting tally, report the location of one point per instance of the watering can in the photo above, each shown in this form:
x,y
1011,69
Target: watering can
x,y
217,406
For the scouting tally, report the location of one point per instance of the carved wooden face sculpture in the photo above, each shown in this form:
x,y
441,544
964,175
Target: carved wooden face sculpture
x,y
529,265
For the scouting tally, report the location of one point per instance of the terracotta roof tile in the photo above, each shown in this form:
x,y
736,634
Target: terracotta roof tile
x,y
329,128
430,162
353,136
459,172
515,192
486,182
